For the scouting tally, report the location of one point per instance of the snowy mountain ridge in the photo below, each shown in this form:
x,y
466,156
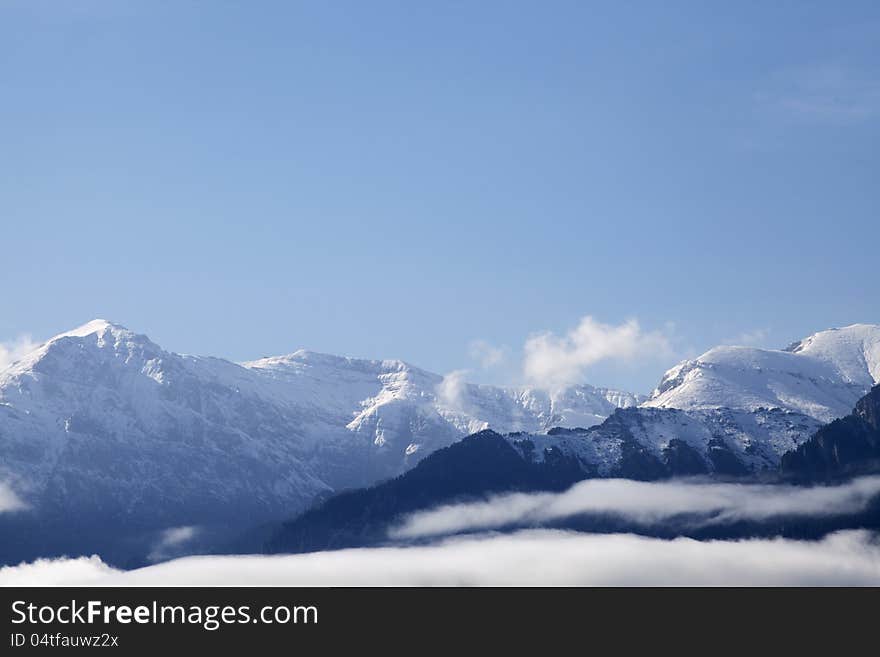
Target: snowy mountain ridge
x,y
350,383
821,376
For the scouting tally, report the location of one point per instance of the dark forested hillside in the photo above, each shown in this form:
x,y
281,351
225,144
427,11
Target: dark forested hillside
x,y
848,446
480,464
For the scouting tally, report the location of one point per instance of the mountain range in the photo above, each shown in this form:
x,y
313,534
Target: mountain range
x,y
486,464
109,439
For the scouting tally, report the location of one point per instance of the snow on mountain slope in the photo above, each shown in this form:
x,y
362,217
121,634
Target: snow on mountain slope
x,y
651,443
731,411
408,410
821,376
103,418
853,351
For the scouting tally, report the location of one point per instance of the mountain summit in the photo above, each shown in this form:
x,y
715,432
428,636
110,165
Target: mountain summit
x,y
821,376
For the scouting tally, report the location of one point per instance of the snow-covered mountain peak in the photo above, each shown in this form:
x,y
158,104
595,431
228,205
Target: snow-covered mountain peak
x,y
821,376
96,326
102,334
86,346
853,350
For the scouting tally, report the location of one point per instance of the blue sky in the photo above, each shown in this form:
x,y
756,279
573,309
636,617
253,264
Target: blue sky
x,y
394,179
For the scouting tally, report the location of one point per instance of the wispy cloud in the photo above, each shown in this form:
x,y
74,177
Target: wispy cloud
x,y
529,558
755,337
171,541
645,503
13,350
485,354
552,360
9,501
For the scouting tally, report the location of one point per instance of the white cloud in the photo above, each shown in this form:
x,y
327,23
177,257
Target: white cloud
x,y
552,360
178,535
645,503
452,390
9,501
171,540
486,354
529,558
56,572
14,350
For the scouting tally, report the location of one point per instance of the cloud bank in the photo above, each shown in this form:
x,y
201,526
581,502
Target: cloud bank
x,y
551,360
57,572
645,503
528,558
